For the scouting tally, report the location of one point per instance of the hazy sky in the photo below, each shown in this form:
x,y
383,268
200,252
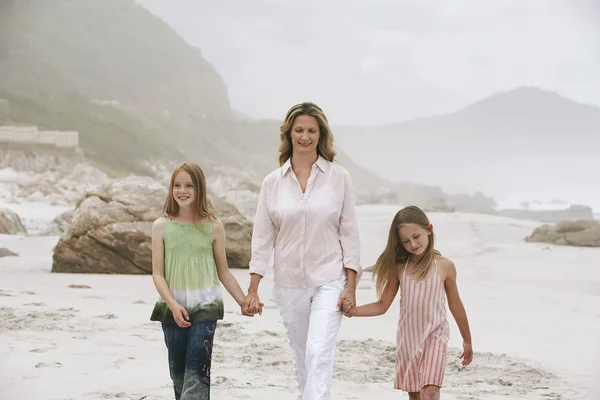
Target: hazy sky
x,y
380,61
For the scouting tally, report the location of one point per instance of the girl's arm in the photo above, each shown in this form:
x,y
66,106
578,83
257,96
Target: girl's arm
x,y
225,275
383,304
158,262
457,309
158,274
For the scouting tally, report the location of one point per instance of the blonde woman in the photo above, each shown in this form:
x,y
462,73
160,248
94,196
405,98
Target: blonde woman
x,y
306,219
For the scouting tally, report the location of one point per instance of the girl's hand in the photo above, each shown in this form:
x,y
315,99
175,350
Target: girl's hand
x,y
252,304
180,314
348,308
467,354
348,297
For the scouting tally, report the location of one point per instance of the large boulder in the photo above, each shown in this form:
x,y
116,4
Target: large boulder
x,y
573,233
4,252
111,229
10,223
59,224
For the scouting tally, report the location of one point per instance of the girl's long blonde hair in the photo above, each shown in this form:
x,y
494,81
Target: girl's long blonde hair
x,y
325,144
200,206
394,254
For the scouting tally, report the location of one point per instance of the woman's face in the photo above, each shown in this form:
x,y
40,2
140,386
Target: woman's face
x,y
305,135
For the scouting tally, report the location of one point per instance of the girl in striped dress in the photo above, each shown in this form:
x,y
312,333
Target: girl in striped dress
x,y
188,266
425,279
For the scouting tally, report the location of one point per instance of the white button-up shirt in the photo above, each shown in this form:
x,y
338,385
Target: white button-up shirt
x,y
313,235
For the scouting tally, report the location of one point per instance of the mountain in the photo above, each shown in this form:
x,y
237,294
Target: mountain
x,y
109,50
523,139
137,93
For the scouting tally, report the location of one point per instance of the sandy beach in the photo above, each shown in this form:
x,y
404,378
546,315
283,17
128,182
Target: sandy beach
x,y
533,310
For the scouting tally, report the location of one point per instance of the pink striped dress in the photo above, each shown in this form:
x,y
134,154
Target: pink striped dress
x,y
423,333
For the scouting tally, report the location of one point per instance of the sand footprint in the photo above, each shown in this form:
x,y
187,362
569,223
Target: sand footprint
x,y
121,361
49,365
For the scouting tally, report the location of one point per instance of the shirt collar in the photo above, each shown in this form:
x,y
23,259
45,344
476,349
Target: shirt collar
x,y
322,163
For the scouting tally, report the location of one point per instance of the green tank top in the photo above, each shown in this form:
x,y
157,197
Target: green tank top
x,y
191,273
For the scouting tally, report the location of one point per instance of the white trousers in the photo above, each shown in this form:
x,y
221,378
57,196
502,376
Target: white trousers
x,y
312,321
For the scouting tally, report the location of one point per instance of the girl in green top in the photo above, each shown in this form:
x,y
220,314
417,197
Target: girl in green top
x,y
188,262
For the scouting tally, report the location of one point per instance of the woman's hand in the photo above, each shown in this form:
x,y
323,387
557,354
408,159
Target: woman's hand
x,y
347,301
348,308
252,304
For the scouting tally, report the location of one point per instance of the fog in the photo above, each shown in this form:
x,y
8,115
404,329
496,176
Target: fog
x,y
387,61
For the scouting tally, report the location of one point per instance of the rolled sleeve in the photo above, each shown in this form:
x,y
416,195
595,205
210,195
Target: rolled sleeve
x,y
263,235
349,237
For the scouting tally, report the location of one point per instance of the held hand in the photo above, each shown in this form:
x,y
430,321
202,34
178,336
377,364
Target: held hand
x,y
252,304
467,354
180,314
349,298
348,308
244,307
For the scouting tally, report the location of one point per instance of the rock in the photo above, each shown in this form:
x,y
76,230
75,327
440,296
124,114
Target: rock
x,y
437,204
4,252
110,231
59,224
239,191
75,286
10,223
56,179
584,233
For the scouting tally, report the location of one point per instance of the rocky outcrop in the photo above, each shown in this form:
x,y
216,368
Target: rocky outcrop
x,y
10,223
4,252
55,179
111,229
571,233
59,224
437,204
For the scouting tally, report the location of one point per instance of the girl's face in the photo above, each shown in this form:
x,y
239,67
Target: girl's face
x,y
414,238
184,191
305,134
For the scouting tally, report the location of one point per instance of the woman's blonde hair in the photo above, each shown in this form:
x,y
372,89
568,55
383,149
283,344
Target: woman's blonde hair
x,y
200,206
325,144
394,254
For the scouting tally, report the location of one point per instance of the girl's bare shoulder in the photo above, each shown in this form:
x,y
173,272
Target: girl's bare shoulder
x,y
445,264
158,227
159,222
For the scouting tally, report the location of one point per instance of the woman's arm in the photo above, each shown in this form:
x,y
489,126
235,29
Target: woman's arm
x,y
350,244
263,239
348,229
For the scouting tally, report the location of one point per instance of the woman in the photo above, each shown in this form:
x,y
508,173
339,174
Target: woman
x,y
306,219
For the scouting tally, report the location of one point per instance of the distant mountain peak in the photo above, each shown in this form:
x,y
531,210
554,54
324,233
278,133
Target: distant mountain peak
x,y
527,100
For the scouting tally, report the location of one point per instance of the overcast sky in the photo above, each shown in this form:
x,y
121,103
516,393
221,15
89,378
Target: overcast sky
x,y
381,61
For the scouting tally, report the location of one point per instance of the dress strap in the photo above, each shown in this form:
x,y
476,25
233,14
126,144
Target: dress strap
x,y
405,265
436,267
